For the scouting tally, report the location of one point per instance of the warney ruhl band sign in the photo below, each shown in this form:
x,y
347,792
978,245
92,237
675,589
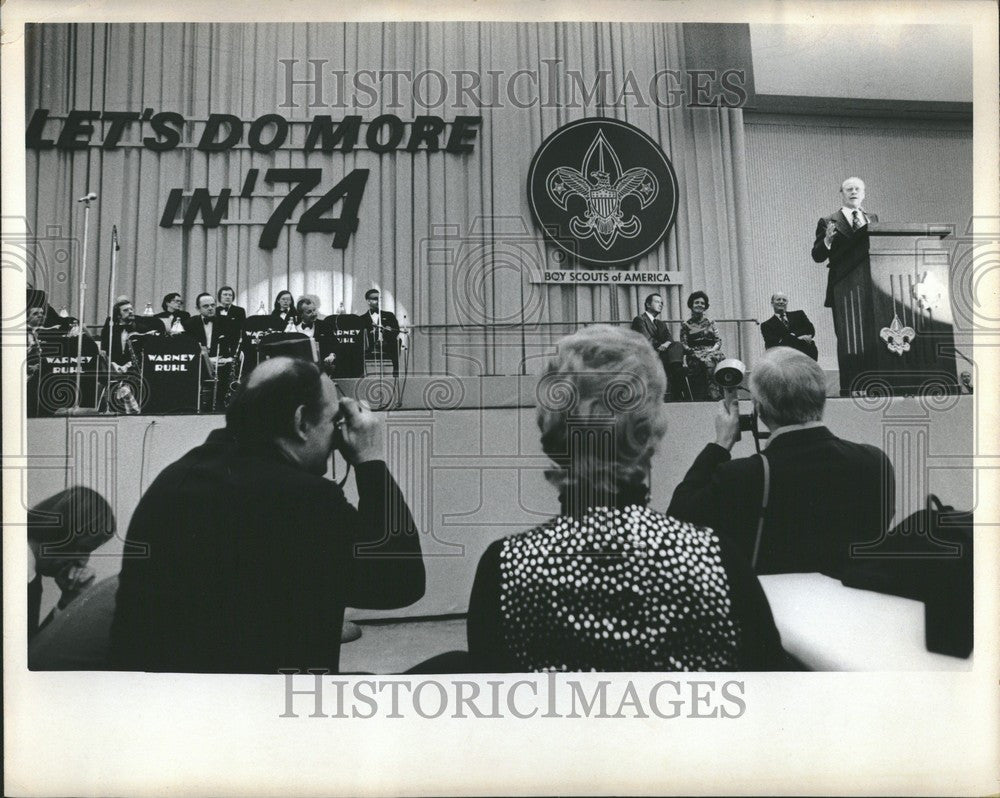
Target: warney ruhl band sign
x,y
602,191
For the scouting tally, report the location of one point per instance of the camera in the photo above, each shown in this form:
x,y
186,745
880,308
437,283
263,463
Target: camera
x,y
730,375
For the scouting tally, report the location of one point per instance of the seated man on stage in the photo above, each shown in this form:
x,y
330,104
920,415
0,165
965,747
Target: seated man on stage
x,y
229,584
670,352
382,332
124,350
213,332
790,328
311,325
218,338
40,338
823,493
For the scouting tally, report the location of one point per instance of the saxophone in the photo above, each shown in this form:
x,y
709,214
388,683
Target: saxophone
x,y
125,391
235,372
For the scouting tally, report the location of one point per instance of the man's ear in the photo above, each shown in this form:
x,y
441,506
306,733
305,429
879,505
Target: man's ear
x,y
300,422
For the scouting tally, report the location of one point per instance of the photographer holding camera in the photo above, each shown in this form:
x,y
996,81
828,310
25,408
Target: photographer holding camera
x,y
800,504
251,552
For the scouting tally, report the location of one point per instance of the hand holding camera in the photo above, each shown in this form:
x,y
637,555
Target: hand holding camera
x,y
357,432
727,422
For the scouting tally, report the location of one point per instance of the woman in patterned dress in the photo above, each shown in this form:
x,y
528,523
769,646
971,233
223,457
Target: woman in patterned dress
x,y
703,347
611,584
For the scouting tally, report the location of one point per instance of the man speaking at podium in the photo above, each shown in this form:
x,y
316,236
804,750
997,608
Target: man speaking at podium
x,y
839,235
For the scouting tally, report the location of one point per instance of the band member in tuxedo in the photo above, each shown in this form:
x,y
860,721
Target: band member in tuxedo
x,y
841,237
381,330
310,324
236,315
124,349
789,328
209,330
34,343
129,330
172,316
671,353
218,338
284,310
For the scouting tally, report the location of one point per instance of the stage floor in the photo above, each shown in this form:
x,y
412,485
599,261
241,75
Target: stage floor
x,y
474,474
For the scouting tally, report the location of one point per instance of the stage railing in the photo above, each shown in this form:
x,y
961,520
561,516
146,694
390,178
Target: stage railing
x,y
503,350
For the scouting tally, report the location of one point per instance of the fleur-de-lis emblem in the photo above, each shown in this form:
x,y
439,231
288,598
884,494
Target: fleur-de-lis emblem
x,y
603,184
897,337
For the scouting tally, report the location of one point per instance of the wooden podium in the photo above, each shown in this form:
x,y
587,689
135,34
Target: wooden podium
x,y
892,313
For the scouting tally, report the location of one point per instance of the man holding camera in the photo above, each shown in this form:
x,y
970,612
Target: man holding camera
x,y
251,552
817,494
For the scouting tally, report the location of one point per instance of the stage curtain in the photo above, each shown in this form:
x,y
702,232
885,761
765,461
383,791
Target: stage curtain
x,y
473,205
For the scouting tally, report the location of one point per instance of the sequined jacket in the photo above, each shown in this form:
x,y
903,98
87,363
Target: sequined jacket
x,y
619,589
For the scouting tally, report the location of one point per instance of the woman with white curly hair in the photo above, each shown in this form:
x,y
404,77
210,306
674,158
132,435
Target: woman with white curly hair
x,y
611,584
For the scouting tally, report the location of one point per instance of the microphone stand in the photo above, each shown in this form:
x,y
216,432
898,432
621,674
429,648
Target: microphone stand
x,y
111,316
83,289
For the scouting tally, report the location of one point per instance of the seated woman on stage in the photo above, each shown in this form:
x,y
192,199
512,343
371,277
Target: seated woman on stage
x,y
172,316
284,309
703,347
611,584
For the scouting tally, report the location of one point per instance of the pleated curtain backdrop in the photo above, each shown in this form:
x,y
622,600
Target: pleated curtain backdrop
x,y
472,205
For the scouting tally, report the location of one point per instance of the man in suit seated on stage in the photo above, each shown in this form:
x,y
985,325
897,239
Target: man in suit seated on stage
x,y
236,315
841,237
230,583
310,324
671,353
211,331
824,493
382,331
790,328
127,326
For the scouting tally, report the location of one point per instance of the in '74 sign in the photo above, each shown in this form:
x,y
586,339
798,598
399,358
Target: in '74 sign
x,y
348,192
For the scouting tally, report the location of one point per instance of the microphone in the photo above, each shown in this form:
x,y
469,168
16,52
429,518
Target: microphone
x,y
88,198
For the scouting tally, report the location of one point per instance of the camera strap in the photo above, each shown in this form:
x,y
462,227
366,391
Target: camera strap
x,y
763,508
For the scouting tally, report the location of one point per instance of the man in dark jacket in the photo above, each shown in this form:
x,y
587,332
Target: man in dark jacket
x,y
789,328
251,553
841,238
671,353
825,494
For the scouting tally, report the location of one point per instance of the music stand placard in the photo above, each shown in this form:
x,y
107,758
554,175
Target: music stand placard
x,y
56,380
171,374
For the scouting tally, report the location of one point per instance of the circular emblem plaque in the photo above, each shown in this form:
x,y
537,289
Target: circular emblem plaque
x,y
603,191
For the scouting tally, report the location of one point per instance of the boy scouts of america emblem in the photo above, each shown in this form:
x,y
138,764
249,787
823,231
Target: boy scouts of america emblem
x,y
602,191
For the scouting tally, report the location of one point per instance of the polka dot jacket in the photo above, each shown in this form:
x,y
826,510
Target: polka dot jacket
x,y
619,589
